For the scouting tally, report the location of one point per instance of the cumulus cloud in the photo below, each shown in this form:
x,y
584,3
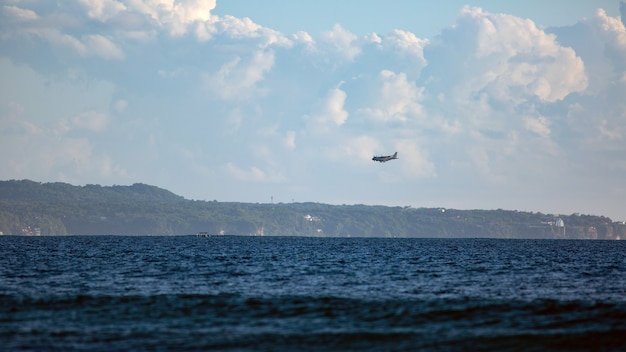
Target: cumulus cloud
x,y
19,14
36,27
237,28
42,152
103,10
495,98
253,174
501,80
359,149
13,123
305,39
90,120
397,99
598,117
331,112
415,160
290,139
505,57
238,79
406,44
539,125
175,16
120,105
100,46
341,43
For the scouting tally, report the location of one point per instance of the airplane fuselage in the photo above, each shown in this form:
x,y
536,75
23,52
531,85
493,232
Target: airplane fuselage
x,y
385,158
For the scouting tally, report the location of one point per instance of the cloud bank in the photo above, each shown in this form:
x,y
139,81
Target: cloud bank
x,y
495,112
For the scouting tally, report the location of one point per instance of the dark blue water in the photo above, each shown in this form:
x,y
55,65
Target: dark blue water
x,y
294,293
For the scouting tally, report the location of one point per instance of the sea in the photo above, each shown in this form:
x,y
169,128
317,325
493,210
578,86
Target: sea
x,y
245,293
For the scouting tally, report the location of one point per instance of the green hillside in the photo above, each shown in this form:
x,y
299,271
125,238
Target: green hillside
x,y
32,208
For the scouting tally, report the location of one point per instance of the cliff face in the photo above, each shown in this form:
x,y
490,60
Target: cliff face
x,y
32,208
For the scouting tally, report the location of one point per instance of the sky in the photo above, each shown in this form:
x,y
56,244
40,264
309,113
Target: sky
x,y
489,104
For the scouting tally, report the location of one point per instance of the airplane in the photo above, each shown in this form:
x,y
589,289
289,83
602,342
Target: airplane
x,y
385,158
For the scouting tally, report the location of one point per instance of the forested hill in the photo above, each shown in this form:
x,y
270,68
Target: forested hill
x,y
32,208
58,192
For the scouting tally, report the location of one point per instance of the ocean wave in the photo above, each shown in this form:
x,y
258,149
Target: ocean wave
x,y
237,321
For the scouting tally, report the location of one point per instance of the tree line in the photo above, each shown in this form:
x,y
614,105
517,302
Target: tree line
x,y
33,208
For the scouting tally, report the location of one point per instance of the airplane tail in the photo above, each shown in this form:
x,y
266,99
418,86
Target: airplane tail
x,y
395,155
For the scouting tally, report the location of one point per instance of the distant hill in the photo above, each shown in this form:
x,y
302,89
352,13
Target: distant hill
x,y
26,190
33,208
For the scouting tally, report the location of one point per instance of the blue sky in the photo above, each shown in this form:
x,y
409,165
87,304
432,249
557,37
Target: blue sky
x,y
425,19
489,104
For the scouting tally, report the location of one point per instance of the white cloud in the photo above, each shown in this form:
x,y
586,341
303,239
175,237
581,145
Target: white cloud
x,y
100,46
90,120
177,16
334,107
342,43
415,161
407,43
495,98
331,112
373,38
598,118
245,28
103,10
120,105
180,17
506,57
397,99
253,174
237,79
193,10
358,149
290,139
538,125
13,123
499,82
305,39
89,45
19,13
610,132
38,152
27,24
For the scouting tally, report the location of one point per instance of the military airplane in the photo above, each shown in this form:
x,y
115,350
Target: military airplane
x,y
385,158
